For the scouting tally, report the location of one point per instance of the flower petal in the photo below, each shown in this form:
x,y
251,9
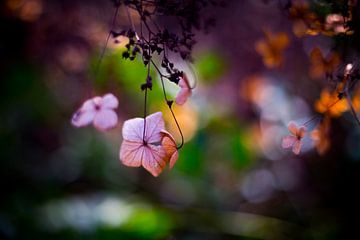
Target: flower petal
x,y
131,153
185,91
292,127
288,141
89,105
184,81
85,115
297,147
109,101
154,124
154,159
301,132
133,129
182,96
105,119
169,145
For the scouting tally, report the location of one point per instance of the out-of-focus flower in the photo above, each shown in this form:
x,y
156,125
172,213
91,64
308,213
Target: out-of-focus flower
x,y
348,69
320,65
187,117
330,104
321,136
99,111
337,24
271,48
301,10
185,90
294,140
356,102
27,10
305,21
152,147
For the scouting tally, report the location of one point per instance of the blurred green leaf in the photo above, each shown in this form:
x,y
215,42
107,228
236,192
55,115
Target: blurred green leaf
x,y
210,66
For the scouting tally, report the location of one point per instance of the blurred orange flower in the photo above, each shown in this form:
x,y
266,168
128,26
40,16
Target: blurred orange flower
x,y
321,136
330,104
356,102
271,48
305,21
321,65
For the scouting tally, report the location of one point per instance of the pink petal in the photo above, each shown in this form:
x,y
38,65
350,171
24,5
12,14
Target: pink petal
x,y
288,141
184,82
301,132
131,153
293,128
105,119
297,147
97,101
109,101
169,145
182,96
154,124
173,159
154,159
133,129
89,105
84,116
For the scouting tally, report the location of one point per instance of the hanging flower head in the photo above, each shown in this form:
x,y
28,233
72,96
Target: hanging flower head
x,y
149,146
185,90
99,111
294,140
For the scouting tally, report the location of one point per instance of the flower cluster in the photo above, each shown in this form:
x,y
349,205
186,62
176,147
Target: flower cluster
x,y
334,19
332,104
145,141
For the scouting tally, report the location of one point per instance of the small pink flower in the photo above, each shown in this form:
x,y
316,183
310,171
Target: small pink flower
x,y
153,150
294,140
185,90
99,111
337,23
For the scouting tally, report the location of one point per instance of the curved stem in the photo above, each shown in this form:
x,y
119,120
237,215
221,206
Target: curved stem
x,y
310,120
170,106
107,41
178,126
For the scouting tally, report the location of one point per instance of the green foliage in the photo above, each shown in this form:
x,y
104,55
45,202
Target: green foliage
x,y
210,66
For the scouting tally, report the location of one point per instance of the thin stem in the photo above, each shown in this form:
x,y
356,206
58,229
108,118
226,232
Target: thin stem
x,y
178,127
310,120
158,70
145,113
107,41
145,101
170,107
131,22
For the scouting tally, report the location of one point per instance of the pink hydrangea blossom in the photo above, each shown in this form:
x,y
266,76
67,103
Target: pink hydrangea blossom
x,y
294,139
152,148
99,111
185,90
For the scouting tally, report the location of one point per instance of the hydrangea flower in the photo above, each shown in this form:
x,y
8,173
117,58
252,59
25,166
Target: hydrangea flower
x,y
99,111
152,148
294,140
